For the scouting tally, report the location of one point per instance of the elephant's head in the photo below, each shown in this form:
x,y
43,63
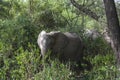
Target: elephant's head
x,y
46,41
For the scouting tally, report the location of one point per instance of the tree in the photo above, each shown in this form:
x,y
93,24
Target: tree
x,y
85,10
112,21
113,26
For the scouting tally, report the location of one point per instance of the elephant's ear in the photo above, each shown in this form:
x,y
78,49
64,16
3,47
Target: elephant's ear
x,y
54,33
61,41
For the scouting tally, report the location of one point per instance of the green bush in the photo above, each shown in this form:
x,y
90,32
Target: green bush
x,y
22,64
26,64
19,53
55,71
103,68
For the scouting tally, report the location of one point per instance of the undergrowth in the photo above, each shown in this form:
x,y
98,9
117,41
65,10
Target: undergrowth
x,y
27,65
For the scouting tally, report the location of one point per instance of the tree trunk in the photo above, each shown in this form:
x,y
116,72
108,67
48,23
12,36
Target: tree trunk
x,y
113,26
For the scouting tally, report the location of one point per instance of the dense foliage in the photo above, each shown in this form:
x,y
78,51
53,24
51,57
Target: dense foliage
x,y
22,20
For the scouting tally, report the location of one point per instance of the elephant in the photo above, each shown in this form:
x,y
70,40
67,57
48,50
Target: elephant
x,y
66,46
92,34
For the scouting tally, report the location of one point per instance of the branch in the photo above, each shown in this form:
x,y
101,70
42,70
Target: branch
x,y
85,10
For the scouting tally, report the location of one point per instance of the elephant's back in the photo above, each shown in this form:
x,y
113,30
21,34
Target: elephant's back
x,y
71,35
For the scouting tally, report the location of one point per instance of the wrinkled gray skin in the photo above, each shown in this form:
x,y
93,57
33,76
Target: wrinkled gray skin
x,y
66,46
92,34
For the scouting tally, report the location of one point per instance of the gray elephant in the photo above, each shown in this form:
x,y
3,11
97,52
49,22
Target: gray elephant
x,y
65,46
92,34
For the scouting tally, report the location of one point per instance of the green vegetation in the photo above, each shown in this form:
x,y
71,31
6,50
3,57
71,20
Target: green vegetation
x,y
22,20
